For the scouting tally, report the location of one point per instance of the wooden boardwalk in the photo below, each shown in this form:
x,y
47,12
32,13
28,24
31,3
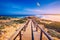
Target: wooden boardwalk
x,y
27,34
31,32
36,33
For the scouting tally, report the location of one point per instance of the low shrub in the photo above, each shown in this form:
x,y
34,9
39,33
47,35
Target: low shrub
x,y
2,27
53,33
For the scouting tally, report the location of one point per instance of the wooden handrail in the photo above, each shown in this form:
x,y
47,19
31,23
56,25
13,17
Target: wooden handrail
x,y
14,36
18,32
32,31
47,35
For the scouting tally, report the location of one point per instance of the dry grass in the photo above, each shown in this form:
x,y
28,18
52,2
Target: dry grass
x,y
8,27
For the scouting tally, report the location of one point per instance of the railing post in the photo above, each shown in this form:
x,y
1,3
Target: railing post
x,y
20,35
36,28
42,31
24,29
41,35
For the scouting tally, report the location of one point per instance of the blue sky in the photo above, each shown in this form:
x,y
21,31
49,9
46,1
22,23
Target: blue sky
x,y
29,7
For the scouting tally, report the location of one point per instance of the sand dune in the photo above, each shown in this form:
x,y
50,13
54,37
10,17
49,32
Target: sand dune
x,y
51,17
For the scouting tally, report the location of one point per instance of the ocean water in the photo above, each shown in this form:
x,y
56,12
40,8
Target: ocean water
x,y
16,16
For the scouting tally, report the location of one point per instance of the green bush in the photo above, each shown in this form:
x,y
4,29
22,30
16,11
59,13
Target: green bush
x,y
53,33
38,21
19,21
53,25
24,18
4,17
2,27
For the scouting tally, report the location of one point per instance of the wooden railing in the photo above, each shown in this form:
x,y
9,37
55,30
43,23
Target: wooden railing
x,y
42,31
32,32
18,32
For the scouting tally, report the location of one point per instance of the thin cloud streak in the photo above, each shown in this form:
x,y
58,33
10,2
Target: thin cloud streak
x,y
52,8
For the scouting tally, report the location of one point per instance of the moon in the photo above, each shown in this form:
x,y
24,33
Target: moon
x,y
38,4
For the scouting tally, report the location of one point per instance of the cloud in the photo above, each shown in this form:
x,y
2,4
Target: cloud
x,y
51,8
34,10
38,4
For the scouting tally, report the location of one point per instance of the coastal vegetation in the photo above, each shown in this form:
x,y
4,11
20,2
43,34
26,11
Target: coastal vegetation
x,y
52,26
22,20
53,33
7,23
4,17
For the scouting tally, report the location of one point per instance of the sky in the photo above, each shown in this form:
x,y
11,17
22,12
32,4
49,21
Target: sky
x,y
29,7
